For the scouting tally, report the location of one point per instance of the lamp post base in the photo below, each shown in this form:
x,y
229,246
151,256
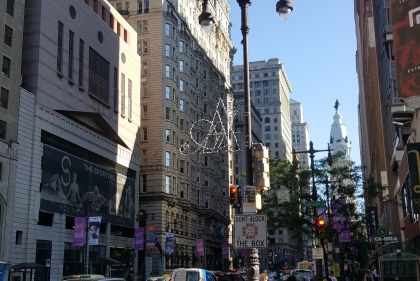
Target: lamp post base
x,y
252,265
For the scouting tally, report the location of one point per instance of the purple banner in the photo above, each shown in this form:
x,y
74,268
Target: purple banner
x,y
224,251
200,247
79,231
340,221
139,239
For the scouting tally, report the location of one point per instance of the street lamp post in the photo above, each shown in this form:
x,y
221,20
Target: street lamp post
x,y
206,20
312,152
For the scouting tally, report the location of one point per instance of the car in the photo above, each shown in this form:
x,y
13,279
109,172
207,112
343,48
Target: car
x,y
82,276
193,274
157,278
307,275
229,276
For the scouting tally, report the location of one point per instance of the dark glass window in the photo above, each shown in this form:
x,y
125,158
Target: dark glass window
x,y
122,93
8,35
3,126
60,46
71,45
10,8
81,61
5,69
4,98
98,76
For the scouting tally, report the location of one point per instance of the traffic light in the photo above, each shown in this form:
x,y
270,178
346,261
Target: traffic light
x,y
261,167
234,195
321,227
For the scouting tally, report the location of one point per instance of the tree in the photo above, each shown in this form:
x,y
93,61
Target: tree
x,y
285,207
127,257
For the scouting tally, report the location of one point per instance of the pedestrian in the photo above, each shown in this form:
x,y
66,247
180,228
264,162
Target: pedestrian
x,y
368,277
360,274
326,278
333,278
375,274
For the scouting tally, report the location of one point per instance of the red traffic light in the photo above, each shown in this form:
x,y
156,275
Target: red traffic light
x,y
233,190
321,222
234,196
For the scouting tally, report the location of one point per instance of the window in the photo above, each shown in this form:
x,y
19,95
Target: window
x,y
144,48
144,134
275,120
144,90
144,68
3,126
266,100
167,50
181,46
167,92
257,93
4,98
181,66
115,88
167,135
10,8
266,92
257,101
167,29
266,110
167,71
276,128
111,21
81,66
167,184
266,83
181,85
267,128
273,73
267,120
8,35
71,46
181,124
129,105
144,183
267,137
60,46
257,75
274,108
144,111
274,91
5,69
181,105
167,113
98,76
122,93
168,159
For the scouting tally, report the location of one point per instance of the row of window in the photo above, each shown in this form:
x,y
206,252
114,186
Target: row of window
x,y
266,100
257,84
255,75
99,73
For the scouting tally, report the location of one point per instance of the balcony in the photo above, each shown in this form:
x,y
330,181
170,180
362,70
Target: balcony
x,y
123,12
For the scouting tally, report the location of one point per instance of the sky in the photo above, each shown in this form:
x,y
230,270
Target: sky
x,y
317,46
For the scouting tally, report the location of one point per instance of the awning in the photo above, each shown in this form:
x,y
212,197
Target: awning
x,y
27,265
108,261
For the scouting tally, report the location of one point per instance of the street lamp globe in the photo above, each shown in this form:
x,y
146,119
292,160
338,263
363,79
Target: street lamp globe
x,y
284,8
207,25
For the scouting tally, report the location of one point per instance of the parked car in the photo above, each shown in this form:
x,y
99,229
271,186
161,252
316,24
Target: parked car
x,y
229,276
193,274
157,278
307,275
82,276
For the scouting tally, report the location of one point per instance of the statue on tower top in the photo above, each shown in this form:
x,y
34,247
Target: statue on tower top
x,y
336,104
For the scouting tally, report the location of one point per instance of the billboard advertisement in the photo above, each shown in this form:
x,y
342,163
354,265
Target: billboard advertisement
x,y
405,16
79,188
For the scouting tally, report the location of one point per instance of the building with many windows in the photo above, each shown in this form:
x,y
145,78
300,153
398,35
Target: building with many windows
x,y
184,169
11,31
79,138
300,132
269,91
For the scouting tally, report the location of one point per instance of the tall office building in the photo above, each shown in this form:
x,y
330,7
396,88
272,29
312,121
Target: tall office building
x,y
184,176
269,90
300,132
78,135
11,31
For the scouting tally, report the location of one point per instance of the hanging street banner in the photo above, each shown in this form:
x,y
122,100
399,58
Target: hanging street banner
x,y
225,251
79,231
200,247
413,153
76,187
372,220
250,231
150,237
405,16
340,221
139,239
170,240
94,227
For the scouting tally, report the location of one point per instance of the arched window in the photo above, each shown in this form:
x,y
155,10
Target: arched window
x,y
267,120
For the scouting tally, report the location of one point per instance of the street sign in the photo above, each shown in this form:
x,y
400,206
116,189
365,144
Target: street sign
x,y
248,199
317,253
250,231
382,231
315,204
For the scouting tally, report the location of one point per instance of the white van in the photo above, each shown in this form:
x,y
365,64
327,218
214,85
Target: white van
x,y
193,274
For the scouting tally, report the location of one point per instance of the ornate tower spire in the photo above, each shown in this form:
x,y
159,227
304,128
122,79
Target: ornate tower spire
x,y
339,139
